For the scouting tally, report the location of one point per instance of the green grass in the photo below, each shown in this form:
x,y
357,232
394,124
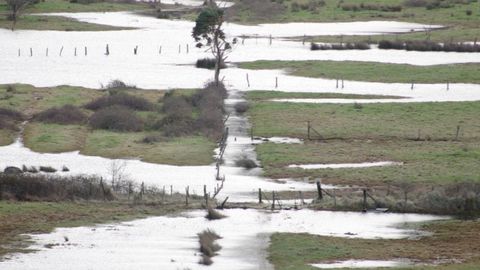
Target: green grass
x,y
55,23
424,162
53,138
29,21
194,150
373,132
374,72
332,12
42,217
450,239
435,120
268,95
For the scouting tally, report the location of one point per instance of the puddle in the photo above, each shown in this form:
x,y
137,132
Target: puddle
x,y
171,242
346,165
363,264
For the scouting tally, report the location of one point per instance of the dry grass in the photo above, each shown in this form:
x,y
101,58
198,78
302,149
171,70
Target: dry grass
x,y
208,247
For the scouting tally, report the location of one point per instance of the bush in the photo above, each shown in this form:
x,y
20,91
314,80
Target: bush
x,y
241,107
208,247
47,169
213,214
122,99
11,89
9,119
427,45
65,115
208,63
343,46
117,118
27,187
246,163
117,84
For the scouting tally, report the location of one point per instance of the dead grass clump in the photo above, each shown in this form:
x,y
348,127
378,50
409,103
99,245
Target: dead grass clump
x,y
341,46
117,118
64,115
213,214
208,247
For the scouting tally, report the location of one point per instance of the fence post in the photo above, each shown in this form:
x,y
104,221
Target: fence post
x,y
188,48
163,195
448,85
308,130
300,193
273,200
107,50
171,190
343,83
187,195
248,81
75,53
270,39
19,52
61,50
276,82
304,38
411,87
160,50
457,133
319,190
336,86
46,52
31,52
364,200
179,48
86,50
260,196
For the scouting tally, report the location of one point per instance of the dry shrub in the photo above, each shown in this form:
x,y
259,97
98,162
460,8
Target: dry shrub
x,y
342,46
122,99
208,247
241,107
208,63
213,214
47,169
117,118
64,115
246,163
27,187
9,119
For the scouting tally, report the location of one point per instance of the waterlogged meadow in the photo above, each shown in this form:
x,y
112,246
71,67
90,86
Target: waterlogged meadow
x,y
291,161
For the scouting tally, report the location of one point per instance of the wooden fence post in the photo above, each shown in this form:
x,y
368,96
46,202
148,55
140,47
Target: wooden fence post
x,y
107,50
457,133
319,190
19,52
364,200
46,52
276,82
273,200
85,50
75,52
270,40
260,196
61,50
187,195
31,52
248,81
308,130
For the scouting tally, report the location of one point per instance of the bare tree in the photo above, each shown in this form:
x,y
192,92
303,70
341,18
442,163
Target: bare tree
x,y
15,8
117,173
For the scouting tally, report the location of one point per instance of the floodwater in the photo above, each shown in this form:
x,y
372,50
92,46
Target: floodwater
x,y
363,264
171,242
345,165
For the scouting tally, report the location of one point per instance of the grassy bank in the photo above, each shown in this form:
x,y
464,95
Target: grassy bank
x,y
374,72
249,11
422,135
55,23
194,149
29,21
451,241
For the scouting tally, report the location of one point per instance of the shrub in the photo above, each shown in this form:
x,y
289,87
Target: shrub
x,y
208,63
208,247
343,46
387,44
9,119
117,118
246,163
241,107
117,84
11,89
27,187
213,214
67,114
123,99
469,12
47,169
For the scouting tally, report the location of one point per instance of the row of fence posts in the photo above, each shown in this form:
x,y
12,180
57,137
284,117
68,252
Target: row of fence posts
x,y
320,195
107,50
